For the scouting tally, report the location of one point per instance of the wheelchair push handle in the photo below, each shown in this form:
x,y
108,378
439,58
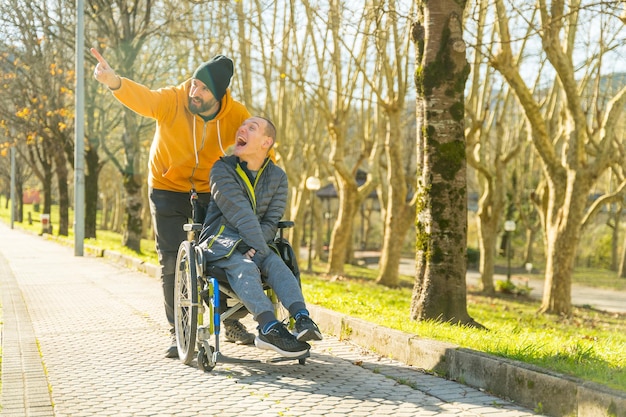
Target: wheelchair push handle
x,y
196,226
196,211
284,224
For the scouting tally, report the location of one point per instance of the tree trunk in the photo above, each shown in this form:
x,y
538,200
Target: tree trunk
x,y
342,230
132,181
92,161
118,209
563,227
441,226
622,265
528,248
19,201
391,254
134,205
487,247
92,164
614,221
47,194
398,214
62,184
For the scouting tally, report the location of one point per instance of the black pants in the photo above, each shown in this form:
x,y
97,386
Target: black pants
x,y
170,211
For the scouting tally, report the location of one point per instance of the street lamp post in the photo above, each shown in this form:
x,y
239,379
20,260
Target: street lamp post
x,y
13,184
312,184
509,226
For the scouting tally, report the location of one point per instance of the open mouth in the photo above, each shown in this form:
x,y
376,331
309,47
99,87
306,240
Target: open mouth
x,y
241,141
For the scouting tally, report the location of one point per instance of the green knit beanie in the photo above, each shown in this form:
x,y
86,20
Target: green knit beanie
x,y
216,74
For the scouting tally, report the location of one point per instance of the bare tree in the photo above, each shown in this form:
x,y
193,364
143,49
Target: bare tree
x,y
391,90
334,94
126,27
574,159
41,94
277,59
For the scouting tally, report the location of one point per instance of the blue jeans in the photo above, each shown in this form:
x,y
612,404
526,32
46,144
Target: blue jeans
x,y
244,277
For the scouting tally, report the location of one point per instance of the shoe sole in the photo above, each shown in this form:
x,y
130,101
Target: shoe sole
x,y
308,334
268,346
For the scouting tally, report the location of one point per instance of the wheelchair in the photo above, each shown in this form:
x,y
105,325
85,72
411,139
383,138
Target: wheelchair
x,y
199,291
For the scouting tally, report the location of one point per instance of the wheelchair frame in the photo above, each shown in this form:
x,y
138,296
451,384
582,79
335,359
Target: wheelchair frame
x,y
197,292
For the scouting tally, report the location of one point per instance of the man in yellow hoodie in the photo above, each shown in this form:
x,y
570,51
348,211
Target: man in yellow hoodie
x,y
196,122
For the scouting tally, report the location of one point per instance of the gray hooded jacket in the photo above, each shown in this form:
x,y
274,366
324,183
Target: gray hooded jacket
x,y
244,210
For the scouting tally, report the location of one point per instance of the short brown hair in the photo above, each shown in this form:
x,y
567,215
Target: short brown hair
x,y
270,129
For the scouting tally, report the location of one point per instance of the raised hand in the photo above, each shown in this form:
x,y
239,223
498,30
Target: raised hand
x,y
104,73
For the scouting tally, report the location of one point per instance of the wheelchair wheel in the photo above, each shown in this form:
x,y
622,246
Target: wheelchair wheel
x,y
205,359
186,302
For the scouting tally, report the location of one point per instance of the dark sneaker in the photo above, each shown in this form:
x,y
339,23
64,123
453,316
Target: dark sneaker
x,y
306,329
281,341
172,351
236,332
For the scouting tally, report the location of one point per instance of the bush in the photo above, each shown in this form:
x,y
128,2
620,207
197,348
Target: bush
x,y
507,287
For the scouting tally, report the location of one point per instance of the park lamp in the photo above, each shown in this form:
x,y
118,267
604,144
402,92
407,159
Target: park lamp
x,y
313,183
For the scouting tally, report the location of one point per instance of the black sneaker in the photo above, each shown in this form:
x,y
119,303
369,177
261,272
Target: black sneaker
x,y
172,351
281,341
236,332
306,329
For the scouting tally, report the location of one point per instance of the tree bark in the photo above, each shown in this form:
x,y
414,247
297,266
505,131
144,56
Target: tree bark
x,y
132,181
440,289
92,162
342,230
398,214
62,176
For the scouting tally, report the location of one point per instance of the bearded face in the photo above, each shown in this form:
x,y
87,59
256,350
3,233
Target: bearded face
x,y
201,100
198,106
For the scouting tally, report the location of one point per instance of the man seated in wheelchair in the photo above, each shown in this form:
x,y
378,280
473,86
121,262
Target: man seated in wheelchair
x,y
249,196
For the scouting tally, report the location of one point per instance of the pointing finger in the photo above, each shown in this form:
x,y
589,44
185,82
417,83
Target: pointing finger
x,y
99,57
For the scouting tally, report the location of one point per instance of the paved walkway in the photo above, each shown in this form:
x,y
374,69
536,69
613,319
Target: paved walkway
x,y
82,336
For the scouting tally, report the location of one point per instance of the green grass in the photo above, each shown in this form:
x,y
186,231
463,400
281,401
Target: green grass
x,y
598,278
589,345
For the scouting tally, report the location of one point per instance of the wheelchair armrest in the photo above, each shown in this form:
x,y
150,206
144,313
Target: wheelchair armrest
x,y
286,224
215,272
192,227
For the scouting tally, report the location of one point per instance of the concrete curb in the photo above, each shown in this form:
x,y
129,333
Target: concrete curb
x,y
126,261
549,393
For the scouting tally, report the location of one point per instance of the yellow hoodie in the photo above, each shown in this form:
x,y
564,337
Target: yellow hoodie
x,y
184,147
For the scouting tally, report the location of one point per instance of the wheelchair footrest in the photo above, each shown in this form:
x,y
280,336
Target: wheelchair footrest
x,y
221,358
